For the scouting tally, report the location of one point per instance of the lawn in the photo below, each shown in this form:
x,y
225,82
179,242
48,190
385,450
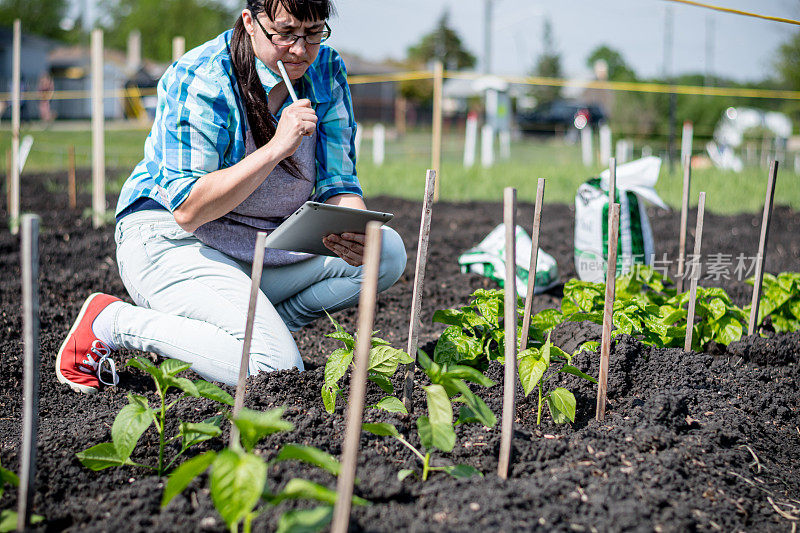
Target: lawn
x,y
407,158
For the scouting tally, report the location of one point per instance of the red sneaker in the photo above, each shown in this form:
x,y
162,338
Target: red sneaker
x,y
81,357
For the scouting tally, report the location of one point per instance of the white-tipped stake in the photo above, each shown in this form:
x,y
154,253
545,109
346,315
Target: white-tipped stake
x,y
698,239
608,309
510,314
419,277
358,380
287,81
687,183
762,246
30,333
537,220
258,268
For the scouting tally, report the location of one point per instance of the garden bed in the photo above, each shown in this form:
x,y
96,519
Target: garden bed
x,y
691,441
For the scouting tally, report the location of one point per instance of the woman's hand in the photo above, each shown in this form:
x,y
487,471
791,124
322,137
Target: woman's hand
x,y
348,246
297,120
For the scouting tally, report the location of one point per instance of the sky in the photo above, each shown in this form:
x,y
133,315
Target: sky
x,y
743,48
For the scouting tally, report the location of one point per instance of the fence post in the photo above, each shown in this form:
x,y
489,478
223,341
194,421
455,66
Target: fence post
x,y
98,139
436,142
470,140
605,144
587,152
686,140
487,146
178,47
13,207
378,144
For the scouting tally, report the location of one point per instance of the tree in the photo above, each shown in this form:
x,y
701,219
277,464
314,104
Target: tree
x,y
788,66
444,44
42,17
548,65
618,70
161,20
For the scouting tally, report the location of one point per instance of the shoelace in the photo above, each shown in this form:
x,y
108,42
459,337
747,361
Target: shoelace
x,y
102,350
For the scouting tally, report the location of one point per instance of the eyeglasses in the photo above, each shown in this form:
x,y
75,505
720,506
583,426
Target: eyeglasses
x,y
288,39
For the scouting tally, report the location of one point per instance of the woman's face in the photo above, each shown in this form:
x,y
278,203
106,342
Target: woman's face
x,y
296,57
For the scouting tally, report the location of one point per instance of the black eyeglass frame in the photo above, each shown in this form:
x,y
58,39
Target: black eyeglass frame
x,y
325,35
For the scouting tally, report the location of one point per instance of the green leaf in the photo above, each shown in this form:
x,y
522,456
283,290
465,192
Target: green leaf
x,y
718,308
382,429
329,397
728,330
589,346
255,425
401,475
336,366
455,346
184,474
346,338
392,405
569,369
561,403
478,408
547,319
462,471
305,520
451,317
142,363
212,392
302,489
183,384
130,423
468,373
172,367
311,455
436,429
7,476
100,456
384,359
195,433
382,381
237,481
531,369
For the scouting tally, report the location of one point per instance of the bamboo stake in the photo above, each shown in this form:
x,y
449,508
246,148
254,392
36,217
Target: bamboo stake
x,y
419,277
537,220
608,311
510,301
9,171
358,380
98,139
698,239
687,181
30,332
13,204
612,184
255,275
73,201
178,47
436,148
762,247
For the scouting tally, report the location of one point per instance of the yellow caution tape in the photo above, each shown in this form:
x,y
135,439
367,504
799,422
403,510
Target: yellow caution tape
x,y
737,12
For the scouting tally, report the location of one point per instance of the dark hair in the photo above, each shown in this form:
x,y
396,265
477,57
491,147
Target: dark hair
x,y
261,121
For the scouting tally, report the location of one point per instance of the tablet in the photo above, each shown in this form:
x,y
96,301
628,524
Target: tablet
x,y
304,230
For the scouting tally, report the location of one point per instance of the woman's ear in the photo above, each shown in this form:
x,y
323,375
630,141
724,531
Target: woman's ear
x,y
247,19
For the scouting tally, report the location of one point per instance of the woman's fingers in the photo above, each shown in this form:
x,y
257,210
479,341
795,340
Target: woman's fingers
x,y
348,246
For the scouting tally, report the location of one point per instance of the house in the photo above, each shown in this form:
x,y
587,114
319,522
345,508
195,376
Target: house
x,y
33,65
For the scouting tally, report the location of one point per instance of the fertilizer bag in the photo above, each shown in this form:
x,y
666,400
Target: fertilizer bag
x,y
635,182
488,259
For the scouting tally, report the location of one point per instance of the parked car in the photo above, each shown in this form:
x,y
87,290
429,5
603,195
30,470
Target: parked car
x,y
560,117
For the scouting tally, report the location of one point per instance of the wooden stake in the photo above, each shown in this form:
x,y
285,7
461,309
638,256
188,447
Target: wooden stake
x,y
178,47
9,171
98,138
73,201
419,277
537,220
436,143
510,376
612,184
608,311
698,239
255,275
358,380
762,248
30,332
13,204
687,180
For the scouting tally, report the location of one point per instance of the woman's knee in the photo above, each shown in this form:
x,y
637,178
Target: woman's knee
x,y
273,350
393,258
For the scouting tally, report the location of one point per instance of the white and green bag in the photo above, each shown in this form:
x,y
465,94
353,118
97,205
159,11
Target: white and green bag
x,y
635,182
488,259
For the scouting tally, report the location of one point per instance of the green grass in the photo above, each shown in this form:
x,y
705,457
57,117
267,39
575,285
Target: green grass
x,y
403,172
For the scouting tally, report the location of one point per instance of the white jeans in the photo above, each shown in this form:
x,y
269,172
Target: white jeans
x,y
192,299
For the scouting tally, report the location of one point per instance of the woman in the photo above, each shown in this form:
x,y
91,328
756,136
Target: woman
x,y
229,155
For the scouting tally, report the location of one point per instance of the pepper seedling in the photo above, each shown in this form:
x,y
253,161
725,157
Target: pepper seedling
x,y
8,518
780,300
383,363
134,419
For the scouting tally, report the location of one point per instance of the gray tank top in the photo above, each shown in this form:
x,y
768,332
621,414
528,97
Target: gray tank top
x,y
278,196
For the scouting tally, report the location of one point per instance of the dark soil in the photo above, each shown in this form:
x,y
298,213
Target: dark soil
x,y
691,441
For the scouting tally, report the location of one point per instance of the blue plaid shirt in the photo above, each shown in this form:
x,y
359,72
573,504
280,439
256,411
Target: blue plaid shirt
x,y
200,124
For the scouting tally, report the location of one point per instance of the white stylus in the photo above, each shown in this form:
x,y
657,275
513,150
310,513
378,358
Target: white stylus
x,y
287,81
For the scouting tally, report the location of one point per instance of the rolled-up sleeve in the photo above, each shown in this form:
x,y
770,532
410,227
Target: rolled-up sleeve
x,y
336,149
194,134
